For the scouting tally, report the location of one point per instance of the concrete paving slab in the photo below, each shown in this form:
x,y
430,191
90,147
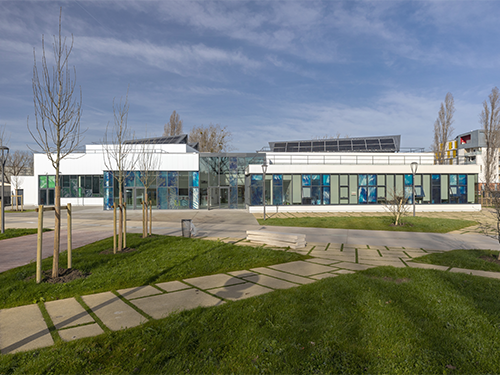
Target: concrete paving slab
x,y
160,306
387,262
240,291
138,292
368,253
324,276
338,258
270,282
283,275
493,275
353,266
302,268
427,266
113,312
213,281
415,254
344,272
393,254
321,261
242,273
172,286
23,328
89,330
67,313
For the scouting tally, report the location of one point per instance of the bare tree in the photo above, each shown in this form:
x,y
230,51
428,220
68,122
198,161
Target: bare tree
x,y
4,140
58,109
443,131
148,162
490,122
118,154
397,206
174,126
212,138
19,163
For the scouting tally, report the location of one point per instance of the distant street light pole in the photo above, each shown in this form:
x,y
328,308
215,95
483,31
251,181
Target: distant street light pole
x,y
4,152
264,170
414,167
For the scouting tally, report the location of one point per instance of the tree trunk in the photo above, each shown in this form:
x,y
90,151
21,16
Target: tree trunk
x,y
120,221
57,231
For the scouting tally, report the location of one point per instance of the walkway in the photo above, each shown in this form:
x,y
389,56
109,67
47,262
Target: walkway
x,y
24,328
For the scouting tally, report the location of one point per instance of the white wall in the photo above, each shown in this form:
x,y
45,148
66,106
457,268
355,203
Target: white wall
x,y
365,208
363,169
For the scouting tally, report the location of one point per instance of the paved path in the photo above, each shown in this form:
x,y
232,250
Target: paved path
x,y
24,328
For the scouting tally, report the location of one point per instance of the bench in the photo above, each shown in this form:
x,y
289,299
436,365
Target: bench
x,y
294,241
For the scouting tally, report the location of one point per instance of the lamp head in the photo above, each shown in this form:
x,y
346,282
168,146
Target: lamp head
x,y
4,151
414,167
264,167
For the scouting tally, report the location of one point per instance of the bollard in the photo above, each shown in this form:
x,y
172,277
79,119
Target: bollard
x,y
39,245
70,245
114,228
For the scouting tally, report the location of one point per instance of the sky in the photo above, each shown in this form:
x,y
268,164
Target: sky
x,y
265,70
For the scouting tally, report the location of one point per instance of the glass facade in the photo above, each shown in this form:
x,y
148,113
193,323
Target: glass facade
x,y
333,189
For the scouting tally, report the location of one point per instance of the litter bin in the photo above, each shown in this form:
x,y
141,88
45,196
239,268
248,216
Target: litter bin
x,y
186,227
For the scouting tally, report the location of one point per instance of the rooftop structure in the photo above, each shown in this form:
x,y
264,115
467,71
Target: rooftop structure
x,y
390,143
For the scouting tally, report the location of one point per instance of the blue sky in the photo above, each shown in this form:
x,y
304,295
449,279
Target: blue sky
x,y
267,70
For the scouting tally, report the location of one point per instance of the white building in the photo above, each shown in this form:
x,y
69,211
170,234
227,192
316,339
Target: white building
x,y
354,174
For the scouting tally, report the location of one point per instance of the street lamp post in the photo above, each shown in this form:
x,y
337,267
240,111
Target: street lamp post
x,y
4,152
414,167
264,170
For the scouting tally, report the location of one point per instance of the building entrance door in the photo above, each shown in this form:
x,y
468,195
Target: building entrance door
x,y
218,197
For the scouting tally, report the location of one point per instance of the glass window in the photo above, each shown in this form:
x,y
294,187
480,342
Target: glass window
x,y
306,180
362,180
278,179
316,180
453,179
408,179
326,180
172,179
462,179
296,189
43,183
372,194
51,184
362,195
372,180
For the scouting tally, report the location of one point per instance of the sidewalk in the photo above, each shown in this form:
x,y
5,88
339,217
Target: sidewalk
x,y
24,328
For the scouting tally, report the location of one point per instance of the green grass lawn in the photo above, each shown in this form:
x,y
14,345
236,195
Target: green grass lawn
x,y
469,259
383,320
18,232
157,259
412,224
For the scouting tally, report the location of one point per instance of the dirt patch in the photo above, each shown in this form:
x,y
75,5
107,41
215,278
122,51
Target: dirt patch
x,y
65,275
125,250
490,258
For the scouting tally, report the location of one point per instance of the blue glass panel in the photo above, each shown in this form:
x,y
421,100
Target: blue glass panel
x,y
108,198
278,179
372,195
173,197
463,189
316,195
138,181
362,180
436,177
256,180
362,195
316,179
233,197
462,179
453,179
172,179
108,179
408,179
162,179
233,164
195,198
129,179
326,180
277,195
306,180
326,194
162,198
194,179
256,195
233,179
409,194
372,180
